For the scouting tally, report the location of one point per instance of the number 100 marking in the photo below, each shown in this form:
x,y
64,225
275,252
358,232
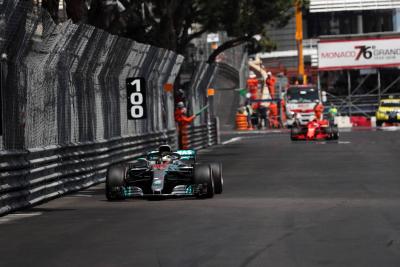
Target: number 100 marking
x,y
136,100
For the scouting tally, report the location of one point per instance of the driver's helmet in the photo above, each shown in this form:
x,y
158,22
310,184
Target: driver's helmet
x,y
164,149
166,159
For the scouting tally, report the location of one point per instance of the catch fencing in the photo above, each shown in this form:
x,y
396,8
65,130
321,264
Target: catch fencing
x,y
68,85
197,94
63,91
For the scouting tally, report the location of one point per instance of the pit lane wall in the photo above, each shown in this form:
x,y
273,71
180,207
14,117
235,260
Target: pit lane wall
x,y
64,104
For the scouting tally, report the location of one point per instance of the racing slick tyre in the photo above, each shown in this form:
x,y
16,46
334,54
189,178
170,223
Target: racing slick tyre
x,y
294,132
335,132
379,123
217,177
203,176
115,180
329,132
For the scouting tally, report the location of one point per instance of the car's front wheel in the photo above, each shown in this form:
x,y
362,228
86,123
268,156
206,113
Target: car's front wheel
x,y
115,181
294,132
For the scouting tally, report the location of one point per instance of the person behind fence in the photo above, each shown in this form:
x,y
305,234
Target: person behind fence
x,y
254,119
183,122
270,82
263,108
332,113
263,117
273,115
249,112
255,115
283,111
252,85
318,110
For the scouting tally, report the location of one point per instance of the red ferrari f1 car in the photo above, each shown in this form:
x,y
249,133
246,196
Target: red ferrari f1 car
x,y
315,130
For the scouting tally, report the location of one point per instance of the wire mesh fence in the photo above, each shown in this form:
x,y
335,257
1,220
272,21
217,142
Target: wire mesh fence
x,y
67,83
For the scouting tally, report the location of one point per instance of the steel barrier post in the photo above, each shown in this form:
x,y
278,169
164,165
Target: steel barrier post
x,y
217,129
379,85
3,76
349,91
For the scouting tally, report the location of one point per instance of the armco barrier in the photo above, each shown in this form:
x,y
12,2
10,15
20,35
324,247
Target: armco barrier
x,y
31,177
204,135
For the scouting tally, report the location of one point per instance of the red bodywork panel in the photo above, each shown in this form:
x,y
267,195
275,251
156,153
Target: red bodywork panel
x,y
315,131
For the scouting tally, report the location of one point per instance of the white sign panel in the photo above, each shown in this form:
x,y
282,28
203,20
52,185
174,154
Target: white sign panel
x,y
213,38
351,5
136,102
359,54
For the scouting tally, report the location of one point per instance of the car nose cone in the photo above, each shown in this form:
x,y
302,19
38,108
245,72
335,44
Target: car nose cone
x,y
157,184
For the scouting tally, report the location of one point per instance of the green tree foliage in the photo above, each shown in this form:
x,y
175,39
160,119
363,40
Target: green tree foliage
x,y
172,24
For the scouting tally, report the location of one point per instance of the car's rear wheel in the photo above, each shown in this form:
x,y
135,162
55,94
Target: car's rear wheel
x,y
335,132
329,131
294,132
203,176
115,181
379,123
217,177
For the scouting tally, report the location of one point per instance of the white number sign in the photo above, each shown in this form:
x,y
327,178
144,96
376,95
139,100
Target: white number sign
x,y
136,92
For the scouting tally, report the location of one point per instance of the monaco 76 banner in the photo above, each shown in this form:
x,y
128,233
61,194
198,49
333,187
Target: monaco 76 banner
x,y
359,54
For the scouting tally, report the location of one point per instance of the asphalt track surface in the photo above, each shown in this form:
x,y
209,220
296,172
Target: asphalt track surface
x,y
284,204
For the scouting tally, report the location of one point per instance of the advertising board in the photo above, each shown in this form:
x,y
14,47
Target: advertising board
x,y
359,53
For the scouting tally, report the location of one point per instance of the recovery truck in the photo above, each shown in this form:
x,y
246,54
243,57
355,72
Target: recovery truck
x,y
300,101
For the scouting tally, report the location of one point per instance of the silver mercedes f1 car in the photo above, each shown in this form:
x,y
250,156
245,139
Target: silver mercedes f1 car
x,y
164,173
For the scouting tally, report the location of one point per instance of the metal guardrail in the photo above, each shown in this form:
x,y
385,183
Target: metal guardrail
x,y
204,135
30,177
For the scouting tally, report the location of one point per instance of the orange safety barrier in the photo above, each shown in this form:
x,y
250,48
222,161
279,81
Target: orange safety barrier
x,y
241,122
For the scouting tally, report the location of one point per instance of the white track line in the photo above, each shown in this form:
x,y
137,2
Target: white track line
x,y
232,140
18,216
79,195
390,128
